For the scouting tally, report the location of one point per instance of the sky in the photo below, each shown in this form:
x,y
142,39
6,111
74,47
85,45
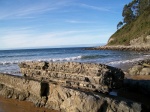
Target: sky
x,y
54,23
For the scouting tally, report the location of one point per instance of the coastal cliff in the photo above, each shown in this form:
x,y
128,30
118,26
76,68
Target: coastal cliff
x,y
134,36
135,33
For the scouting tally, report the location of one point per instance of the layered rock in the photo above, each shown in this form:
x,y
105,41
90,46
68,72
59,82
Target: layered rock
x,y
22,88
68,87
74,100
93,77
62,98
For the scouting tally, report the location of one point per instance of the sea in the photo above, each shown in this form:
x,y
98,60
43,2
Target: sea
x,y
9,59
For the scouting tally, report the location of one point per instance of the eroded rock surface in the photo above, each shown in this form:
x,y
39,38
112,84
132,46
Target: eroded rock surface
x,y
74,100
21,88
68,87
61,98
93,77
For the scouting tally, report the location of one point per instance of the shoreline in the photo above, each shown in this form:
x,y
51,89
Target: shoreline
x,y
23,106
121,48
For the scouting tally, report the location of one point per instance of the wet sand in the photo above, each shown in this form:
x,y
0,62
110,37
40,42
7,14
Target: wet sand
x,y
12,105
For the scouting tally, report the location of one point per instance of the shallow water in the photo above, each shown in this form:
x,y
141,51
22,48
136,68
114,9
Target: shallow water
x,y
9,59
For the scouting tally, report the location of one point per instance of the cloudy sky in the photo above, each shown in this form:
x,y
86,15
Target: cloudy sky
x,y
48,23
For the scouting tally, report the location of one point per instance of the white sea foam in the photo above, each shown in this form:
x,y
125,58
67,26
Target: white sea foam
x,y
60,59
67,59
49,59
147,55
125,61
8,62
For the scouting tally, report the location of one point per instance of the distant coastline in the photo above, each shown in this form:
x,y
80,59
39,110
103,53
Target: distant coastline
x,y
121,48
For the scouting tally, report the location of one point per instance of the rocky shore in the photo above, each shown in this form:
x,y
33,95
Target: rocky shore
x,y
65,99
77,87
89,76
141,68
122,48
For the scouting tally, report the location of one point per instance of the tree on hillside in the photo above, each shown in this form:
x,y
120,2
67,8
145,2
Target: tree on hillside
x,y
127,14
143,4
119,25
135,8
132,10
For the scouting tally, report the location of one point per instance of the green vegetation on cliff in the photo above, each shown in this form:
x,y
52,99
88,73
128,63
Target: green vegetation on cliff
x,y
136,27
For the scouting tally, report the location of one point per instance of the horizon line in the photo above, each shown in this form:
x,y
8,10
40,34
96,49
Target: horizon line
x,y
60,46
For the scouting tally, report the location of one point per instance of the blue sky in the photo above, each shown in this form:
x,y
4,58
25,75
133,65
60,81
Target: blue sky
x,y
47,23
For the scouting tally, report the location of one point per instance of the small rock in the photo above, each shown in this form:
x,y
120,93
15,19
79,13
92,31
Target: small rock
x,y
22,97
145,71
135,70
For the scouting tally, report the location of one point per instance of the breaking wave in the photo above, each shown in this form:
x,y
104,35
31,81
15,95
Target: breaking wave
x,y
130,60
50,59
11,56
125,61
93,56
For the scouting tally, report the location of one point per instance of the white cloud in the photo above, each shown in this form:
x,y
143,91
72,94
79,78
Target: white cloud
x,y
94,7
30,10
24,38
46,30
78,21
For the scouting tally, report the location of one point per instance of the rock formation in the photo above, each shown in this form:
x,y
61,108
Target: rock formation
x,y
68,87
141,68
93,77
62,98
21,88
121,48
75,100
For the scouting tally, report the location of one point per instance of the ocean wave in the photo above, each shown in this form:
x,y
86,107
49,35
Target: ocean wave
x,y
147,55
125,61
50,59
92,56
60,59
3,56
9,62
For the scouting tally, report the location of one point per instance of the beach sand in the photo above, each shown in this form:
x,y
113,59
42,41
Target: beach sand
x,y
12,105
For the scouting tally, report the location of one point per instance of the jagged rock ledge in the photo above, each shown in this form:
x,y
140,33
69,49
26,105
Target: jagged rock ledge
x,y
89,76
21,88
121,48
64,99
68,87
